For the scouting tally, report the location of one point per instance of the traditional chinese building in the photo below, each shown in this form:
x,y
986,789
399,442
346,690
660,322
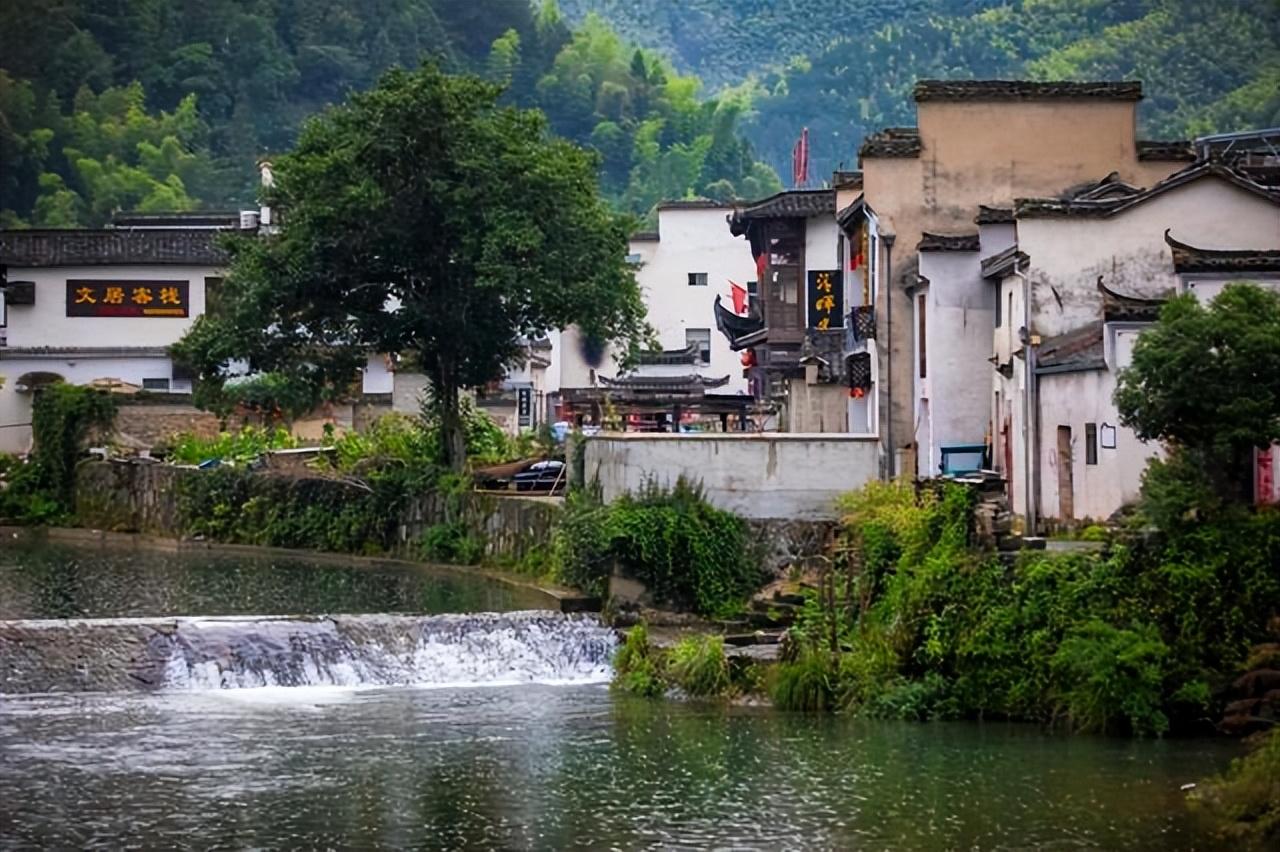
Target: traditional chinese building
x,y
87,306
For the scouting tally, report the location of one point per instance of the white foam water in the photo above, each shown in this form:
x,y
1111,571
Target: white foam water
x,y
386,650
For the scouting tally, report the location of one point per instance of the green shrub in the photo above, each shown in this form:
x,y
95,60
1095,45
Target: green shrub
x,y
697,665
636,667
451,542
1244,803
1103,673
809,684
580,544
234,448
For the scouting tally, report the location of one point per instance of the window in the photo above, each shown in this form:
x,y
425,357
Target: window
x,y
155,384
697,279
1091,443
753,298
634,258
920,333
701,337
999,312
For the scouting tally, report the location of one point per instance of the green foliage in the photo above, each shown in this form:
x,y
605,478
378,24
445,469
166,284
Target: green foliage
x,y
686,552
62,419
451,542
1244,803
809,684
1202,380
636,668
366,180
234,448
1131,639
698,666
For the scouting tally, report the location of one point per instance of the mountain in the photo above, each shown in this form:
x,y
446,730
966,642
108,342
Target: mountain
x,y
845,69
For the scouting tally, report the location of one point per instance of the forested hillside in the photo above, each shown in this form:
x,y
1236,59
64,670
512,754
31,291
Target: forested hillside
x,y
166,104
845,68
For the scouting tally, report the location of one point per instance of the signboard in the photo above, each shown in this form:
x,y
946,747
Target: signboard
x,y
524,406
826,299
106,298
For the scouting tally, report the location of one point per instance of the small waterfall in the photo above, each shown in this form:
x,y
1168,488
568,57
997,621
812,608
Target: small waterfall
x,y
341,650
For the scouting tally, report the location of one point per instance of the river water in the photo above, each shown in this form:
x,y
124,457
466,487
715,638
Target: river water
x,y
549,761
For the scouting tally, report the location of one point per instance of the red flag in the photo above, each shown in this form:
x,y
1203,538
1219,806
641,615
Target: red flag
x,y
739,294
800,160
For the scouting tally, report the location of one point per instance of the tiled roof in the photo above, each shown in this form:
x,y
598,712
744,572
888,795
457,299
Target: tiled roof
x,y
142,246
846,179
694,204
1096,203
1119,307
1072,352
688,355
1175,149
1001,263
1188,258
664,383
795,203
993,215
947,242
202,219
846,217
891,142
1025,90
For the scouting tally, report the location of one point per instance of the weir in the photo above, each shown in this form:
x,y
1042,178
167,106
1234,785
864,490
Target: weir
x,y
111,655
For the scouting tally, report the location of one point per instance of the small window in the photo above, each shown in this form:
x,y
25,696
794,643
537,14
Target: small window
x,y
155,384
999,311
753,297
634,259
697,279
920,302
1091,443
702,338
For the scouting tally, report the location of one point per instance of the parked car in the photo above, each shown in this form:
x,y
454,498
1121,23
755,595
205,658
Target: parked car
x,y
541,476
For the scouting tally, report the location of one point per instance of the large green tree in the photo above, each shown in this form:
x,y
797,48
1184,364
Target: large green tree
x,y
422,217
1205,380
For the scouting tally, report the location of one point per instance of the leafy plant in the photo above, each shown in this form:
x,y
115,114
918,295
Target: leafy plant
x,y
233,448
1243,804
809,684
697,664
636,667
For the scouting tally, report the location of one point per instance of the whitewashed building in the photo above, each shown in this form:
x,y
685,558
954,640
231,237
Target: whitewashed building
x,y
1087,273
87,305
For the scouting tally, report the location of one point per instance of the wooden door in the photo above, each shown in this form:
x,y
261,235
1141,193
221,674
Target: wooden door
x,y
1066,493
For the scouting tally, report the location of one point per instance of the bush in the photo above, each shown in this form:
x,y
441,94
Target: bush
x,y
1244,803
687,553
636,668
233,448
451,542
809,684
1104,673
697,665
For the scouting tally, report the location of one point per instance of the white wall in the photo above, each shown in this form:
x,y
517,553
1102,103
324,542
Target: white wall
x,y
377,378
46,322
959,323
15,407
694,240
1128,250
777,475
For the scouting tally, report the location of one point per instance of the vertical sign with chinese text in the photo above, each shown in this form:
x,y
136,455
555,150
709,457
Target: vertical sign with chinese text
x,y
524,406
826,299
107,298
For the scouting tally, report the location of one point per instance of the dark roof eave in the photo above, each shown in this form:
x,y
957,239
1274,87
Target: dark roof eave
x,y
1188,258
40,248
999,265
1025,90
1078,367
948,242
791,204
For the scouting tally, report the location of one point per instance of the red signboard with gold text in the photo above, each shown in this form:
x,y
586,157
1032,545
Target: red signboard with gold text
x,y
105,298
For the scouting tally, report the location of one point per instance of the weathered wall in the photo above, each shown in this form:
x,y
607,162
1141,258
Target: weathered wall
x,y
764,475
1128,250
143,497
817,407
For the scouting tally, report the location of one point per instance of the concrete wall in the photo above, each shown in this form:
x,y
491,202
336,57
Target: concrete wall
x,y
959,320
693,240
1128,250
817,407
1098,490
778,475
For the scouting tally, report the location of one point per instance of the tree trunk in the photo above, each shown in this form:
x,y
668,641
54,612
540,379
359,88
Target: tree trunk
x,y
453,438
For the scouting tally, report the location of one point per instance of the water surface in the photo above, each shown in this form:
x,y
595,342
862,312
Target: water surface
x,y
542,767
93,581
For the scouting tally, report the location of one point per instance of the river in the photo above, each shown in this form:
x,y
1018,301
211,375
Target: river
x,y
538,757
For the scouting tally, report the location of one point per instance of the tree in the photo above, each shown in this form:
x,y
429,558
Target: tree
x,y
422,218
1205,380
